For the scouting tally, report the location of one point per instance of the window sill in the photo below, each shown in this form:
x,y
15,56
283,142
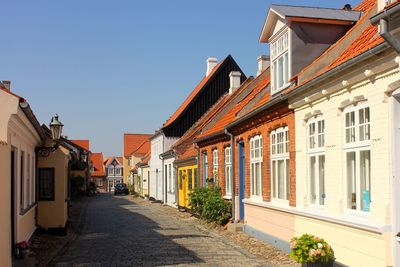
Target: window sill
x,y
27,209
346,219
228,197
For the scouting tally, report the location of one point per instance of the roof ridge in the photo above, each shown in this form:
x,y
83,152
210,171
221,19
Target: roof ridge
x,y
330,8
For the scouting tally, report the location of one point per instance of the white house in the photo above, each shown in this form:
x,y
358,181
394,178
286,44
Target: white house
x,y
114,172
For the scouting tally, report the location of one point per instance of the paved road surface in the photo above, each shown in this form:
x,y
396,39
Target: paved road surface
x,y
122,232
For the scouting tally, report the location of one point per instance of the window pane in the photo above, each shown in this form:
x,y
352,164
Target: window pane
x,y
286,78
275,70
311,129
321,169
274,178
287,178
351,180
281,174
280,62
257,179
313,192
190,179
350,127
365,179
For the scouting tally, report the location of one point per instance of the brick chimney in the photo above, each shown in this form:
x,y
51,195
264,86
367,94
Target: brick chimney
x,y
7,84
234,78
263,63
211,63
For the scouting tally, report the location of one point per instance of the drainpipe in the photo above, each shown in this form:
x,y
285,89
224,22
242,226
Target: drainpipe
x,y
198,164
232,175
384,32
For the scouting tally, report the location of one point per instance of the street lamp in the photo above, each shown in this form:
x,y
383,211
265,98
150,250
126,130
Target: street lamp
x,y
56,130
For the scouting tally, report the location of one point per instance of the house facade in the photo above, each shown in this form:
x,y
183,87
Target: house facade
x,y
143,170
211,88
114,172
135,147
20,135
97,171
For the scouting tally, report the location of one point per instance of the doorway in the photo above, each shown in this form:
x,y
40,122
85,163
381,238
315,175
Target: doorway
x,y
241,181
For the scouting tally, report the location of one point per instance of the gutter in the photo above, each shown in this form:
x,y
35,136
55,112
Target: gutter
x,y
366,55
32,118
211,136
232,175
383,19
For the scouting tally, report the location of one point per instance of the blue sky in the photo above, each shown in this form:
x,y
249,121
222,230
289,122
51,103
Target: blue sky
x,y
109,67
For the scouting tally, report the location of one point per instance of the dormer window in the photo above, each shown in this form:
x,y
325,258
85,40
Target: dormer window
x,y
280,62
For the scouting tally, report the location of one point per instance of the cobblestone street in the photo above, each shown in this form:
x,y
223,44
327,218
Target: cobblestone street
x,y
120,231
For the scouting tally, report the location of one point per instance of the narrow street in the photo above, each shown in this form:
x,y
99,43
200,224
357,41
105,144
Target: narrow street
x,y
123,232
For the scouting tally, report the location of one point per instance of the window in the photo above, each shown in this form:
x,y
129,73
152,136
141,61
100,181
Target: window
x,y
46,184
196,178
256,159
316,150
99,182
280,62
129,161
117,171
190,179
280,163
22,181
358,157
215,166
171,180
228,171
111,171
205,169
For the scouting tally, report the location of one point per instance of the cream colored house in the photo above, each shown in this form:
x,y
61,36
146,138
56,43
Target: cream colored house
x,y
20,134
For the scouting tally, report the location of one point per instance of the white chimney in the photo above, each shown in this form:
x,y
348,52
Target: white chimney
x,y
234,77
263,63
211,63
7,85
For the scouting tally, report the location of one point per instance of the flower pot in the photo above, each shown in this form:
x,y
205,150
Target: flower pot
x,y
317,264
23,253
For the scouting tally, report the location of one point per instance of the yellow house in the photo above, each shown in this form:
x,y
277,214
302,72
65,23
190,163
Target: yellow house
x,y
53,188
20,134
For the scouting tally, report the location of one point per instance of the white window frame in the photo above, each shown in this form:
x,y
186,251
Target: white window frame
x,y
316,149
280,49
356,146
279,153
111,171
118,171
256,160
215,166
228,171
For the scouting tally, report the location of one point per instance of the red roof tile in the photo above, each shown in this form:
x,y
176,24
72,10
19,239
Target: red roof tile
x,y
261,82
97,163
143,149
192,95
133,142
82,143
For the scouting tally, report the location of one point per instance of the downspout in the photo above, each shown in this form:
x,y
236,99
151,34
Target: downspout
x,y
232,175
175,174
384,32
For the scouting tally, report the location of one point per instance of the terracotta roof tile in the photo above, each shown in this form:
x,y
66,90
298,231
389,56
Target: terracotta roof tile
x,y
82,143
192,95
259,84
143,149
133,141
97,163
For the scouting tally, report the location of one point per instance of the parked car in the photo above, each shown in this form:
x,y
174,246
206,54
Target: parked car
x,y
121,189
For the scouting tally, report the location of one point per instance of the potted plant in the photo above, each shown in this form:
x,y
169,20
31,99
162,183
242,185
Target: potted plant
x,y
312,251
23,249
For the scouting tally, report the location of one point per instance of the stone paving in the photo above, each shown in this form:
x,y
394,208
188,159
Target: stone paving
x,y
121,232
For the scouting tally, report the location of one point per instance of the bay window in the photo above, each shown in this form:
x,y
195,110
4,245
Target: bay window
x,y
280,62
256,159
316,156
280,163
215,166
358,157
228,171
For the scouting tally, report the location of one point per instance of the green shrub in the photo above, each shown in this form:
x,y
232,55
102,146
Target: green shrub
x,y
309,248
208,204
130,188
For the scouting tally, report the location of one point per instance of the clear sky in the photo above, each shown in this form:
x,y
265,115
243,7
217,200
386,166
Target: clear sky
x,y
114,66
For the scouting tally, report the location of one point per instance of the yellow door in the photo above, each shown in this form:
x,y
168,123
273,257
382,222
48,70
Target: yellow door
x,y
186,182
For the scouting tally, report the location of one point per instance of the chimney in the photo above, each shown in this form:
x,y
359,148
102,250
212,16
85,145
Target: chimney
x,y
263,63
7,85
234,77
211,63
347,7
